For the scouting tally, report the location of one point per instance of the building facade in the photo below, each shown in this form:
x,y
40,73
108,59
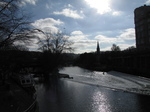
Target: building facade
x,y
142,27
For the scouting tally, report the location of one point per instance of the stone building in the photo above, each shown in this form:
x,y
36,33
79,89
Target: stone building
x,y
142,27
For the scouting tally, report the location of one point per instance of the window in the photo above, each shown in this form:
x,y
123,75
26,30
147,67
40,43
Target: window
x,y
149,33
141,29
28,81
148,20
23,81
142,41
149,26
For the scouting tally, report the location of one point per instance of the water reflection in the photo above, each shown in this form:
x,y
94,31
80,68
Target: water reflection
x,y
70,96
100,102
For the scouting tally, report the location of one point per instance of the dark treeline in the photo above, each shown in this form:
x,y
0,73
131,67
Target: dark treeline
x,y
14,61
128,61
40,63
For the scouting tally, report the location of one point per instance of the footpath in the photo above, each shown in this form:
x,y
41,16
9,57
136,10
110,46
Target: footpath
x,y
14,98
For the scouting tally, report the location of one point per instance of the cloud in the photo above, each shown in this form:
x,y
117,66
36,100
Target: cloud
x,y
69,5
116,13
80,51
105,39
124,39
125,46
78,36
85,46
147,2
69,13
32,2
48,24
101,6
47,6
115,25
122,46
81,42
128,34
76,33
34,46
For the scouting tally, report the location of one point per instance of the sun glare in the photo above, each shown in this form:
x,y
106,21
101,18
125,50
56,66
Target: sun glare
x,y
102,6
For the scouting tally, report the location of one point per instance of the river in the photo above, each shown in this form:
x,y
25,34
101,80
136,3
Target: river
x,y
82,94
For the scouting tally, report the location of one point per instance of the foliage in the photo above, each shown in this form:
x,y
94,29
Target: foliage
x,y
115,48
131,48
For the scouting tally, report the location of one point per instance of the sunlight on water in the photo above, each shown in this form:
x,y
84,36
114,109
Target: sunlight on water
x,y
100,102
82,94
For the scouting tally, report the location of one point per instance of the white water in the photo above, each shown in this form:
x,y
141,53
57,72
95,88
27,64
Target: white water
x,y
114,80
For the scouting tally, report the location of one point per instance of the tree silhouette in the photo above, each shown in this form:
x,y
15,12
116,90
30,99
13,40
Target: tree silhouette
x,y
55,43
131,48
115,48
15,33
14,25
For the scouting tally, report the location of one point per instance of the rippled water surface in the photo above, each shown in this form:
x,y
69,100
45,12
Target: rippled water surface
x,y
68,95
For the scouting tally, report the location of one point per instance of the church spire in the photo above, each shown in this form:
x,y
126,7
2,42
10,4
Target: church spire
x,y
98,48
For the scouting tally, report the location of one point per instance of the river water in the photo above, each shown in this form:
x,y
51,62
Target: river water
x,y
81,95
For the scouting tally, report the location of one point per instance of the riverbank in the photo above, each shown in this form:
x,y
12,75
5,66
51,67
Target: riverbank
x,y
81,94
97,67
14,98
59,75
112,79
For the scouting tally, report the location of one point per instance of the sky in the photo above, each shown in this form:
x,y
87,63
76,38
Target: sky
x,y
87,21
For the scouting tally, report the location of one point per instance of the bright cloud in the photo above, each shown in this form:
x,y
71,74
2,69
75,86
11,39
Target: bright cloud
x,y
69,13
81,42
85,46
69,5
116,13
78,36
76,33
128,34
32,2
125,35
102,6
47,24
104,39
147,2
108,21
125,46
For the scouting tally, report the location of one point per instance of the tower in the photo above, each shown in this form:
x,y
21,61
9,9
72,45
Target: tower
x,y
142,27
98,48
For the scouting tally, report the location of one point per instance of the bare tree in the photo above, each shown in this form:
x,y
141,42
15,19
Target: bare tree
x,y
14,25
55,43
